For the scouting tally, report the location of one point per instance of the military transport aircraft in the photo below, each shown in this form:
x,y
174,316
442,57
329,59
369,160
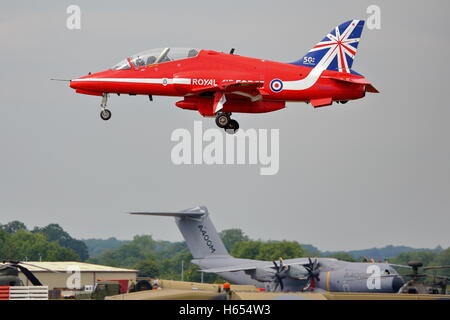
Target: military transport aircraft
x,y
217,84
301,274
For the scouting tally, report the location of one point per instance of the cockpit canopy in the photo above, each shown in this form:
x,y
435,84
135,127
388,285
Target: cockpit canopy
x,y
155,56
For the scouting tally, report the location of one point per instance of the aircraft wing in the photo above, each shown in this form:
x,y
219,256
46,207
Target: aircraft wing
x,y
256,265
399,265
230,89
236,90
236,268
230,86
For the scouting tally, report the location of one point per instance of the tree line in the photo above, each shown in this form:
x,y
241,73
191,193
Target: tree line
x,y
50,243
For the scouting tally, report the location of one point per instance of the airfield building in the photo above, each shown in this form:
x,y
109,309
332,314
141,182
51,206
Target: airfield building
x,y
65,275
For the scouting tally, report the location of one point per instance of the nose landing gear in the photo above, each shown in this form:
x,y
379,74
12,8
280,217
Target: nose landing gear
x,y
105,114
224,121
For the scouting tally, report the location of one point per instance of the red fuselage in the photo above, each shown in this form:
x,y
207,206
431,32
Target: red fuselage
x,y
248,83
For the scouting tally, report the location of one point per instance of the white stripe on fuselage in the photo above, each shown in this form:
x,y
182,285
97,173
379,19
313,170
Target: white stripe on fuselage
x,y
298,85
138,80
305,83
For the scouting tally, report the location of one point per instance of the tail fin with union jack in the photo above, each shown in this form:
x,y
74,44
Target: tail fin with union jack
x,y
337,50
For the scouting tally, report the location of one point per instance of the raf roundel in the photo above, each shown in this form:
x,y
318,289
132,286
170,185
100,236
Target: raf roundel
x,y
276,85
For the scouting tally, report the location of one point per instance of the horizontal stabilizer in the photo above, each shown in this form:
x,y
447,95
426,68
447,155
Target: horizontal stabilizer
x,y
343,78
371,88
348,79
196,212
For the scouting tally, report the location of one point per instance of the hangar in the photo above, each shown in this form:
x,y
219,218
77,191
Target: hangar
x,y
67,274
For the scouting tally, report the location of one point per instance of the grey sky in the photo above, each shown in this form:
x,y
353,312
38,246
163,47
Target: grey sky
x,y
370,173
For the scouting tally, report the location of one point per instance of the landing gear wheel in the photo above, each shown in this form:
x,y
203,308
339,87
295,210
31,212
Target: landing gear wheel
x,y
223,120
143,285
105,114
232,127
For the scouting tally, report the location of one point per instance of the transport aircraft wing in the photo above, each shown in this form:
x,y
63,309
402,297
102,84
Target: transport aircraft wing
x,y
255,265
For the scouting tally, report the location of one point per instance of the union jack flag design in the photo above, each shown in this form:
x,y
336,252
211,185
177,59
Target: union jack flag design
x,y
337,50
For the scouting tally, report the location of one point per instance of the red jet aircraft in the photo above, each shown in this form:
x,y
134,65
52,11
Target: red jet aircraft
x,y
217,84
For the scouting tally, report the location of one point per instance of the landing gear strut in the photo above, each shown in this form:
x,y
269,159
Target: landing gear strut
x,y
224,121
105,114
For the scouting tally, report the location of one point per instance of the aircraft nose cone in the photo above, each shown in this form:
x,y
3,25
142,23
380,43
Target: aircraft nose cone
x,y
73,84
397,283
80,84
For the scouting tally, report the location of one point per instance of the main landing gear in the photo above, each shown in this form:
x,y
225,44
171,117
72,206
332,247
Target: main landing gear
x,y
105,114
224,121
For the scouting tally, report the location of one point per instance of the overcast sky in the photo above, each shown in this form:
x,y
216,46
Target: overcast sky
x,y
373,172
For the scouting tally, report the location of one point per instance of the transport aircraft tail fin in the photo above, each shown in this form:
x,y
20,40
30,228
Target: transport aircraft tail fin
x,y
198,231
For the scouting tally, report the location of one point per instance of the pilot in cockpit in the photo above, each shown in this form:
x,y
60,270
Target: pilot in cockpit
x,y
192,53
155,56
139,62
151,60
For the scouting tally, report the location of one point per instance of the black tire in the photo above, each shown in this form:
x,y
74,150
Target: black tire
x,y
105,114
142,285
223,120
232,127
